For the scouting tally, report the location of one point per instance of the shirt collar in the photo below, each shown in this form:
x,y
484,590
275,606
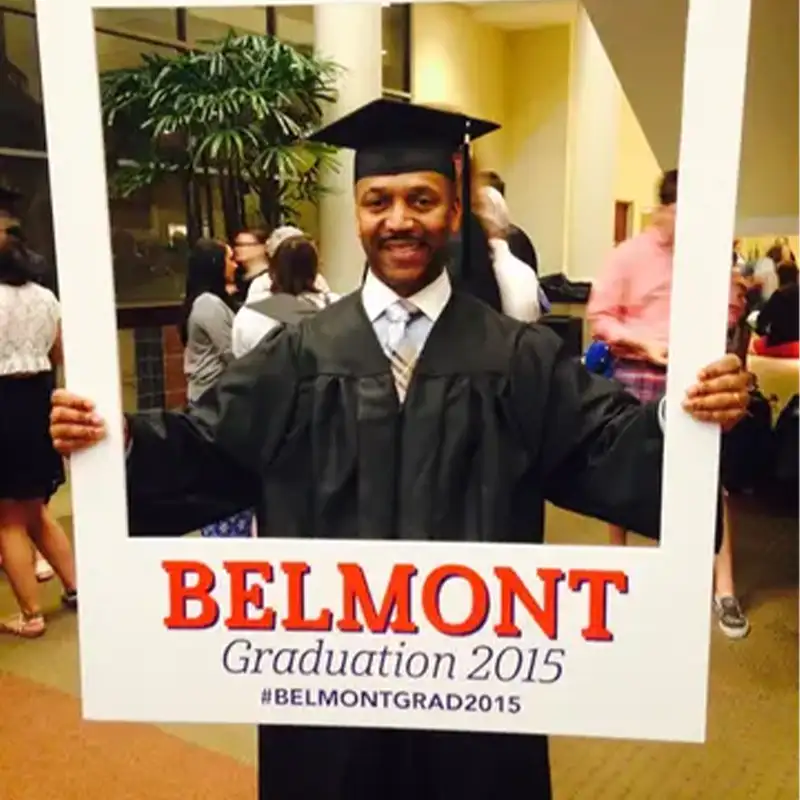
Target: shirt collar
x,y
376,297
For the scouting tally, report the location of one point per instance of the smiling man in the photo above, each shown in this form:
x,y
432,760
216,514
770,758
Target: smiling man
x,y
407,410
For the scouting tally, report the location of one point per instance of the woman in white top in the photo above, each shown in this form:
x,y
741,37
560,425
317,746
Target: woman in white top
x,y
30,468
518,284
294,293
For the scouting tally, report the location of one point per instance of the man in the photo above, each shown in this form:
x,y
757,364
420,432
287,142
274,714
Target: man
x,y
629,309
406,410
518,241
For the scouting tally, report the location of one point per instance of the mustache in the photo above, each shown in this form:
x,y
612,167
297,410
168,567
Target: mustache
x,y
407,238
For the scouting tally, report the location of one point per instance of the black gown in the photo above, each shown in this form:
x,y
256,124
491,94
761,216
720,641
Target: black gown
x,y
308,429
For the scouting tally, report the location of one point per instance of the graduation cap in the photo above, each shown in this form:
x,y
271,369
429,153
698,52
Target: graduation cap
x,y
391,137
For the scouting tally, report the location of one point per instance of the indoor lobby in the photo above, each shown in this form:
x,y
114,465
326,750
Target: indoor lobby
x,y
590,118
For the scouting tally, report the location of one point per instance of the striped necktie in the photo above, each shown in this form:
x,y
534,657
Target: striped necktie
x,y
400,348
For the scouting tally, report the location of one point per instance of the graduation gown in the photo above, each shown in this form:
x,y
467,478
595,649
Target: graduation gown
x,y
308,428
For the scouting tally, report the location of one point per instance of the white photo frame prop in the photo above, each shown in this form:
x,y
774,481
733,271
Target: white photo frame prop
x,y
570,681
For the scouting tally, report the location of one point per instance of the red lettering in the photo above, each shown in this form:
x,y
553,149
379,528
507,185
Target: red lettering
x,y
480,600
295,615
598,580
395,612
180,593
243,596
512,589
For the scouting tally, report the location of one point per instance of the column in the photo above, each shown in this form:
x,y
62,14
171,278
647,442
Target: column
x,y
592,154
350,35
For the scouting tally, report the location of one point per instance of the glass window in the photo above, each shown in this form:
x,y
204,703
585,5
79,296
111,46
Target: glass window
x,y
148,250
22,5
148,243
161,23
396,48
295,25
117,52
212,24
20,84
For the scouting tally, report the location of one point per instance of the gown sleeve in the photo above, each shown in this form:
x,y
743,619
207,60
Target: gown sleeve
x,y
600,450
189,469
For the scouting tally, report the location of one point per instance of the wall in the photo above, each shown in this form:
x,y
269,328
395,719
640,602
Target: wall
x,y
645,42
461,63
638,171
537,126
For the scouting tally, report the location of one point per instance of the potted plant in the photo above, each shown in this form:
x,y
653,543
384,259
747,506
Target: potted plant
x,y
232,113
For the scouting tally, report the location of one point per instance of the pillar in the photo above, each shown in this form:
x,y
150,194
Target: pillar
x,y
350,35
592,153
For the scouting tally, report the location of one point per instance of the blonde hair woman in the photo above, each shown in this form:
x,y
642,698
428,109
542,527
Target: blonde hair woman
x,y
520,292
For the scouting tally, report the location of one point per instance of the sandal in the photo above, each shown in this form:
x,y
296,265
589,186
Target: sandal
x,y
24,625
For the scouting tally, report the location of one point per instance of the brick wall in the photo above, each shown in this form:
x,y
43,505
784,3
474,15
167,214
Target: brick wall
x,y
151,366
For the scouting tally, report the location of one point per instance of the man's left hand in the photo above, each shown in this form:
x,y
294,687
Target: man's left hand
x,y
721,393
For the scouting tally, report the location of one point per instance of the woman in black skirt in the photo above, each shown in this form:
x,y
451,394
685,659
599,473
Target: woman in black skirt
x,y
30,469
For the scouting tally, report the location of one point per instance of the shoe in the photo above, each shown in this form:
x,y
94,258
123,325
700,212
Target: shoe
x,y
70,599
730,617
44,572
28,627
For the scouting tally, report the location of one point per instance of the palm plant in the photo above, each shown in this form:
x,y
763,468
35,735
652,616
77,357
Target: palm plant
x,y
234,112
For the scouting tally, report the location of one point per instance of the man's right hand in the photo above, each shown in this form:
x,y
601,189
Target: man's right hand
x,y
74,425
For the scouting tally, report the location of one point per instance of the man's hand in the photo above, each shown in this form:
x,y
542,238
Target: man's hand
x,y
74,425
721,393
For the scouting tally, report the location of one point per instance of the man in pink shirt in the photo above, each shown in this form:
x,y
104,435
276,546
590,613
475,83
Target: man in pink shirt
x,y
629,309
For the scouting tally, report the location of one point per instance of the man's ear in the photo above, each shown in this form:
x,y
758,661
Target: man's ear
x,y
456,214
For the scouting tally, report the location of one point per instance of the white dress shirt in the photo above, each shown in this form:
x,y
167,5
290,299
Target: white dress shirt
x,y
377,297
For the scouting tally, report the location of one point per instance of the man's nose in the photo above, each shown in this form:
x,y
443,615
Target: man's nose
x,y
399,219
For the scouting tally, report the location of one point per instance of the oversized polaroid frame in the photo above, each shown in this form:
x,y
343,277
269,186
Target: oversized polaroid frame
x,y
643,685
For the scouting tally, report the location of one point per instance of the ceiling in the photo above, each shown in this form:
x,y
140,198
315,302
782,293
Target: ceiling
x,y
516,15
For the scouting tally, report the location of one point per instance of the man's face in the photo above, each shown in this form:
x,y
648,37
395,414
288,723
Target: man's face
x,y
405,222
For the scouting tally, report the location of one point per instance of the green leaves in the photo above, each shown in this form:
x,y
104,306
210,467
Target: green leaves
x,y
240,106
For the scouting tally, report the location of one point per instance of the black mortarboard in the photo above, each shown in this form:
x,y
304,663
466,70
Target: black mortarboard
x,y
391,137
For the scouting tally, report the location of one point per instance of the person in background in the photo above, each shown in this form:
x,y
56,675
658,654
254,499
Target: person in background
x,y
520,292
294,294
250,252
629,309
45,275
205,328
30,468
765,273
206,331
739,260
262,285
778,323
519,242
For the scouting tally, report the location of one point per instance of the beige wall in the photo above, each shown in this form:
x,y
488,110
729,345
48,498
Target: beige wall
x,y
458,62
645,42
638,170
537,124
